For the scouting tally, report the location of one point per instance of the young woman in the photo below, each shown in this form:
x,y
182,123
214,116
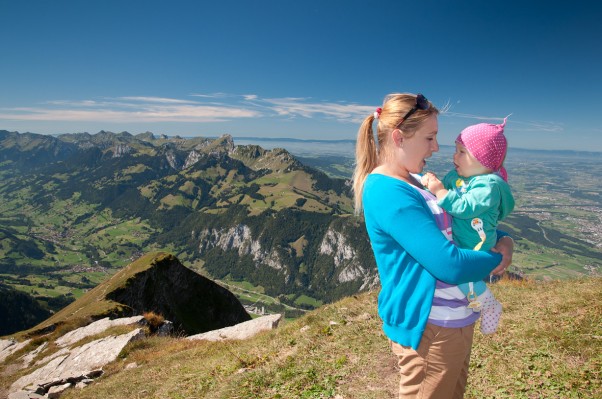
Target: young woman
x,y
424,314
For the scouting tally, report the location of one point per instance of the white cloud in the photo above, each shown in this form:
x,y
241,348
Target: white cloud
x,y
515,125
213,95
142,109
85,103
135,109
300,107
161,100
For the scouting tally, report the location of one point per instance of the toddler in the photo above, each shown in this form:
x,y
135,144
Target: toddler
x,y
477,195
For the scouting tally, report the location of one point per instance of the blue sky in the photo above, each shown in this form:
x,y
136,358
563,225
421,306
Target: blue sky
x,y
301,69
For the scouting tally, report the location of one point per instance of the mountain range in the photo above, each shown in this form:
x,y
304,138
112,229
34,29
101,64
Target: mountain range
x,y
78,207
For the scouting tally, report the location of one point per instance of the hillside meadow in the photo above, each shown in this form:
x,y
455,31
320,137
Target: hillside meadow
x,y
549,345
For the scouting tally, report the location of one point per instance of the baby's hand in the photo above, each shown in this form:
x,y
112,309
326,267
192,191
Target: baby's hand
x,y
424,180
430,181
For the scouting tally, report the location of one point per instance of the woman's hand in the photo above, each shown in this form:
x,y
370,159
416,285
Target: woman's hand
x,y
505,247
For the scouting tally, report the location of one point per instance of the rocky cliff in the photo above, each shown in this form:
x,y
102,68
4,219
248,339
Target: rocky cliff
x,y
324,256
192,302
159,283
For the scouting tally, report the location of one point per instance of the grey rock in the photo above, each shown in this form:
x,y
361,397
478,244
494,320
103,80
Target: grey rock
x,y
166,329
239,238
243,330
132,365
62,352
95,328
19,395
83,383
28,358
10,346
82,361
56,391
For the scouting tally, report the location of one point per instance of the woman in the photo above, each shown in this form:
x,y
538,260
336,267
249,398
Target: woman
x,y
424,314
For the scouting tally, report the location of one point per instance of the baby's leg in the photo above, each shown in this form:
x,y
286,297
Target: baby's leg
x,y
491,311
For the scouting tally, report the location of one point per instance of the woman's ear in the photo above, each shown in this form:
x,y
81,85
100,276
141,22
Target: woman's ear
x,y
397,138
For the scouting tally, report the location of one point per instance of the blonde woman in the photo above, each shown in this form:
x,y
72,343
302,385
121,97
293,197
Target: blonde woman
x,y
424,314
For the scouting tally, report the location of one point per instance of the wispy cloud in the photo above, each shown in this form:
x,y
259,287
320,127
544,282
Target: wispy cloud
x,y
216,107
224,107
130,110
160,100
517,125
300,107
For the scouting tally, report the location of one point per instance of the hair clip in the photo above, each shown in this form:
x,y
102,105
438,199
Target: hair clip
x,y
377,113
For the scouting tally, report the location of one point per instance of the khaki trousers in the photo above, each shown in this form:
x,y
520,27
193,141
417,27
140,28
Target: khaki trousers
x,y
439,368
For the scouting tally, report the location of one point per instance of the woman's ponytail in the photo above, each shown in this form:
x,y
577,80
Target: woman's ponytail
x,y
366,158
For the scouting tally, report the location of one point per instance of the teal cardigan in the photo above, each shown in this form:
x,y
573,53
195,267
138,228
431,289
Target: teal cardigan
x,y
411,254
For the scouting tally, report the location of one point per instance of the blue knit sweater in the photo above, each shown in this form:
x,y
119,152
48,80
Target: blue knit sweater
x,y
411,253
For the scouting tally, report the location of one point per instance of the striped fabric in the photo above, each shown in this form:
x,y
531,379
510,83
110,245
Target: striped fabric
x,y
449,307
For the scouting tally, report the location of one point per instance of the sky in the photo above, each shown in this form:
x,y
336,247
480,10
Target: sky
x,y
311,69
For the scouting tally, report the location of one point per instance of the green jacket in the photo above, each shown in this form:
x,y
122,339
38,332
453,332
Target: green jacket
x,y
485,197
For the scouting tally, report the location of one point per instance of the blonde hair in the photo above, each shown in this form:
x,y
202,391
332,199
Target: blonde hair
x,y
368,155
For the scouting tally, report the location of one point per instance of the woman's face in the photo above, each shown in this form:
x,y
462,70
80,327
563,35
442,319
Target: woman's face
x,y
421,145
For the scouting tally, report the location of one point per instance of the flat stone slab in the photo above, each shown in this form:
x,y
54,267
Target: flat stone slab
x,y
78,362
243,330
9,346
28,358
95,328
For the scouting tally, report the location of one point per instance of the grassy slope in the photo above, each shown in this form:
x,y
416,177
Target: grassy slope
x,y
549,346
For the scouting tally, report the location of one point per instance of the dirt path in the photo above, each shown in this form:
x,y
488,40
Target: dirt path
x,y
377,379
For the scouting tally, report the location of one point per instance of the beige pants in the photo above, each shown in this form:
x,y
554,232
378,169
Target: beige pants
x,y
439,368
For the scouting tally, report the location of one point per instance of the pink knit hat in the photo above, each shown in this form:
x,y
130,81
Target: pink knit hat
x,y
487,143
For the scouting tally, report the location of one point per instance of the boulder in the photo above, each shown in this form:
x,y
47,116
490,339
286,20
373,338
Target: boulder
x,y
82,362
55,391
243,330
95,328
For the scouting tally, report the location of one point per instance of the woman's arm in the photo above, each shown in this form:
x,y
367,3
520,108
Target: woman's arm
x,y
408,221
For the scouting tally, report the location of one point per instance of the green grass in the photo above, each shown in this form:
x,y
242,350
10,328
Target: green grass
x,y
307,300
549,345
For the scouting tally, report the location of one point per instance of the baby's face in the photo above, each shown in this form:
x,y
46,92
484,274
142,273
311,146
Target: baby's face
x,y
467,165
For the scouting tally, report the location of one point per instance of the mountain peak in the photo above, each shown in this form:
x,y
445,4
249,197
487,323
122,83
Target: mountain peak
x,y
156,282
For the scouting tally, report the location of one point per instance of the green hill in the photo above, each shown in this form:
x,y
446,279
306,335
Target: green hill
x,y
549,345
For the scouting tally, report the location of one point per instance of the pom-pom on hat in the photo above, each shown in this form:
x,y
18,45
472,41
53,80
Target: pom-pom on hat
x,y
487,143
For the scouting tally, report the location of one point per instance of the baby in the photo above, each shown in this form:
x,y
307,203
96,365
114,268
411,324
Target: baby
x,y
477,195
